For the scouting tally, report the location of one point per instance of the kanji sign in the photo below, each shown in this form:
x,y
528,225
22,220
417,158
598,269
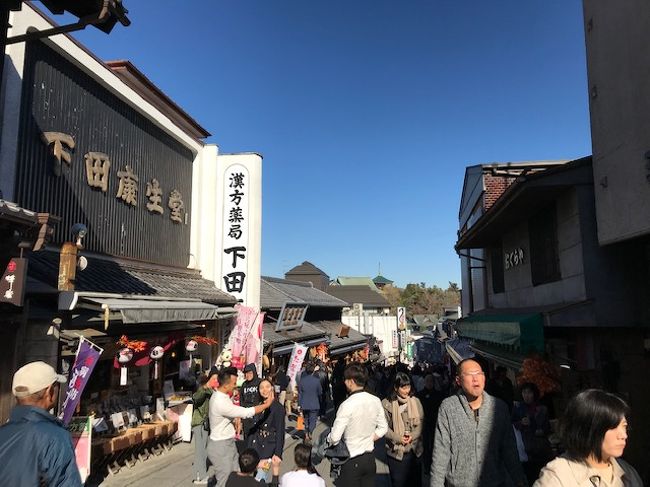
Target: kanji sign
x,y
12,286
401,318
295,362
234,264
292,316
84,363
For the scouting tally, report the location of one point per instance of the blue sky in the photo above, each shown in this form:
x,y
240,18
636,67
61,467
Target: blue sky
x,y
367,111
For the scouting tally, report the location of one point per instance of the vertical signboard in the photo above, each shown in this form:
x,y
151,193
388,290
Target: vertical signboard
x,y
401,318
87,356
234,261
81,431
12,286
295,362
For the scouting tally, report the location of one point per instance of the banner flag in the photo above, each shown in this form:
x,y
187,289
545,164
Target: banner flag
x,y
87,356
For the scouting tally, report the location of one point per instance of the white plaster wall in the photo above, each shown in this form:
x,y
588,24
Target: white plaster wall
x,y
381,327
30,19
253,163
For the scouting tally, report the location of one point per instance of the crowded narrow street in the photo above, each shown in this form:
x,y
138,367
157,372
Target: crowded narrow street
x,y
351,243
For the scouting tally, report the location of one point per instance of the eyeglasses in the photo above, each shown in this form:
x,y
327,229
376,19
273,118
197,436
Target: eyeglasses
x,y
477,373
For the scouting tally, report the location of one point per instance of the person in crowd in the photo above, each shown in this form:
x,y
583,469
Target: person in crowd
x,y
249,395
245,477
201,426
309,394
474,443
359,422
321,372
431,396
35,447
222,451
267,434
304,474
338,384
405,416
501,387
531,419
281,385
594,433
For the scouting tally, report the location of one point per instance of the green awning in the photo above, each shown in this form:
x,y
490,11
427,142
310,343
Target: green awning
x,y
524,333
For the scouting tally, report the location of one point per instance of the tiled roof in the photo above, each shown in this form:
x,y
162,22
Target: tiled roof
x,y
359,294
356,281
15,212
275,292
306,332
120,277
333,328
381,280
306,268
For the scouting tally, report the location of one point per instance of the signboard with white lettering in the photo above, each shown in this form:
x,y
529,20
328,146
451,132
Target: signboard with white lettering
x,y
12,286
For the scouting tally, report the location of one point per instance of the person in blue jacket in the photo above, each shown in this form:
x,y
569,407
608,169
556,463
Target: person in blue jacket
x,y
309,393
35,448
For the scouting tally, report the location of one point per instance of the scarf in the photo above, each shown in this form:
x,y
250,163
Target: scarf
x,y
398,425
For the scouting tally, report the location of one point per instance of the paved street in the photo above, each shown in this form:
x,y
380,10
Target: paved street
x,y
174,468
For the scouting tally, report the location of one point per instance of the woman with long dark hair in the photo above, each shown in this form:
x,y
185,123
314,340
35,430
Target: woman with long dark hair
x,y
304,475
594,432
404,448
267,434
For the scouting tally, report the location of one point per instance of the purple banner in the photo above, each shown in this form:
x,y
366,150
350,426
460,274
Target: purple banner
x,y
84,363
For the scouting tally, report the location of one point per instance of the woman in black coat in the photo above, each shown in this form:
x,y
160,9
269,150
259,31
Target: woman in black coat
x,y
267,433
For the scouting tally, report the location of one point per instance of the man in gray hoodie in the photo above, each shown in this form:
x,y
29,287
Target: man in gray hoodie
x,y
474,442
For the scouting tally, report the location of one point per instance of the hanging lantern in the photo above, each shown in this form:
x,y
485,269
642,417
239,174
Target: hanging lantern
x,y
191,346
156,354
124,356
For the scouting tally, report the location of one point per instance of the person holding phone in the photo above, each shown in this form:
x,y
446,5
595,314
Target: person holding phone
x,y
404,447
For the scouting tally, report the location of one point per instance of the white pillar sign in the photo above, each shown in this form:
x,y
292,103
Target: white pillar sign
x,y
234,266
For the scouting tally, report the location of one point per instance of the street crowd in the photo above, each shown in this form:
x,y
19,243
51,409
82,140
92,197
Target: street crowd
x,y
436,430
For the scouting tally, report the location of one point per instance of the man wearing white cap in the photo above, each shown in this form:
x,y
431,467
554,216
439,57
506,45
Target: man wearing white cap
x,y
35,448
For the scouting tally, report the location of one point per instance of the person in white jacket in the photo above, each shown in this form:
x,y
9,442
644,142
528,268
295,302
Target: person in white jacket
x,y
360,421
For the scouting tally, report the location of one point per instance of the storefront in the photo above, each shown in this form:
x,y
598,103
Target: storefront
x,y
102,148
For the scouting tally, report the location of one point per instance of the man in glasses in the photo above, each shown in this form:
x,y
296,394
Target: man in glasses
x,y
474,442
35,448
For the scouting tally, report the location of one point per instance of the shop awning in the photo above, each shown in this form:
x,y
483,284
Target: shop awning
x,y
499,355
458,349
524,332
138,309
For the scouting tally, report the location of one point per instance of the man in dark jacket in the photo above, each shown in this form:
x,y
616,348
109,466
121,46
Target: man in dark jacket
x,y
249,395
35,448
309,395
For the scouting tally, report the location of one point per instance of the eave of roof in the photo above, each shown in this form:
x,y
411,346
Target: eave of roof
x,y
516,192
137,80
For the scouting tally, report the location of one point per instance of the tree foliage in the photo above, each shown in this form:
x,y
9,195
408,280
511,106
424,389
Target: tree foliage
x,y
418,299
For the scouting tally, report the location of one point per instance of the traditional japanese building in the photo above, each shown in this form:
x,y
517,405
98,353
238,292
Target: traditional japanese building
x,y
320,322
162,234
543,285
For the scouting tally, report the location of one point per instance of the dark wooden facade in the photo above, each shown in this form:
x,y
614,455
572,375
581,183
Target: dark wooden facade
x,y
60,97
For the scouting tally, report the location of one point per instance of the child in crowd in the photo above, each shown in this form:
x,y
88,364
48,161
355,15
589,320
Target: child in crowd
x,y
248,461
305,474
